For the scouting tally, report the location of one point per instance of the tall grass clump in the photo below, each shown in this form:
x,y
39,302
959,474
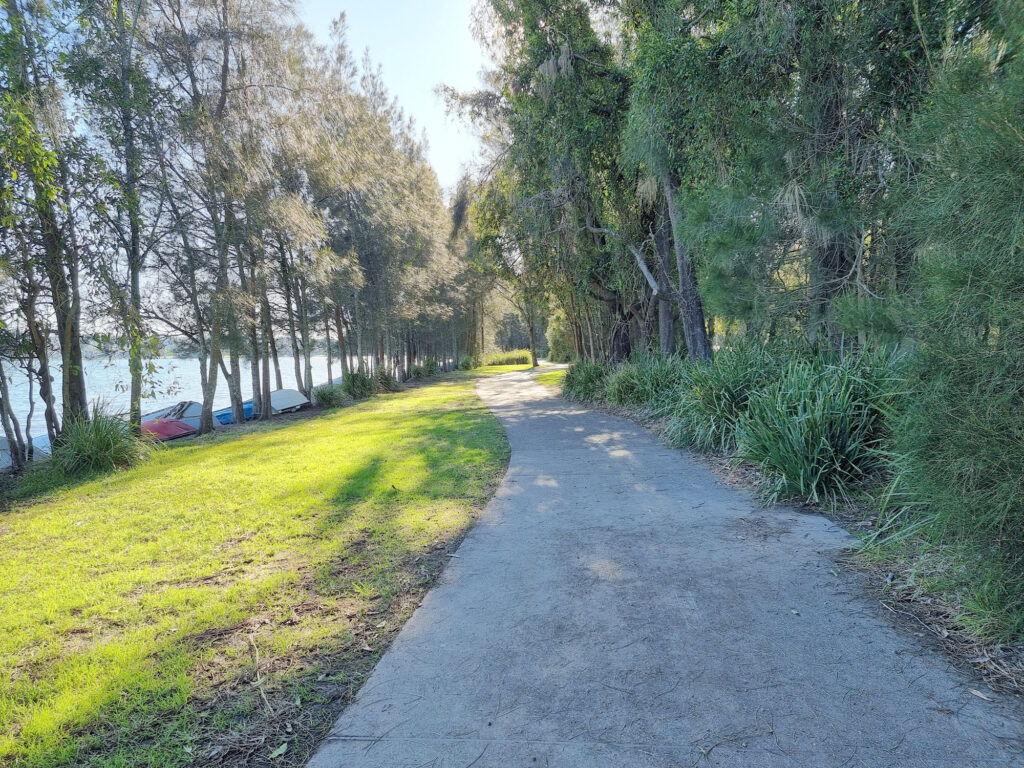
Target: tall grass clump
x,y
331,396
818,429
386,381
511,357
359,385
705,409
585,381
101,444
644,381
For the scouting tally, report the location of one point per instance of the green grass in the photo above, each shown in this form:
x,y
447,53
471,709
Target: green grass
x,y
509,357
233,589
551,378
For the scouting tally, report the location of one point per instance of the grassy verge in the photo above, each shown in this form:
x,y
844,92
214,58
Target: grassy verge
x,y
551,378
220,602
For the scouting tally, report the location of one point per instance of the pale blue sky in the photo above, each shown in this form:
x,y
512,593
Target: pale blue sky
x,y
419,44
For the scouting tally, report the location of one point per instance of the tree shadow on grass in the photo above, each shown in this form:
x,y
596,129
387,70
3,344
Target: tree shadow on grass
x,y
193,698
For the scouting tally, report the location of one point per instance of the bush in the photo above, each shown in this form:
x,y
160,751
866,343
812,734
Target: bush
x,y
585,381
560,342
818,428
101,444
705,410
386,382
331,396
431,366
469,362
645,381
512,357
359,385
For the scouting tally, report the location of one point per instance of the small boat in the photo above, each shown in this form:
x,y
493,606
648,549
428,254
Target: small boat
x,y
167,429
287,400
188,411
41,452
224,416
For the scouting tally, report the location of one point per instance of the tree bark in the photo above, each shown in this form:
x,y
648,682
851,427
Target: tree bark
x,y
691,309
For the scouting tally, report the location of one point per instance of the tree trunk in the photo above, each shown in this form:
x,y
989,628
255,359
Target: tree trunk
x,y
339,323
532,332
330,352
691,309
133,322
286,280
12,432
268,336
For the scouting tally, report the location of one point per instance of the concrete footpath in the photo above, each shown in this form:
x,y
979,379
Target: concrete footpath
x,y
619,607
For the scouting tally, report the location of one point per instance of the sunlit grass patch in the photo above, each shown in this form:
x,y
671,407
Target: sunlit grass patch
x,y
233,590
551,378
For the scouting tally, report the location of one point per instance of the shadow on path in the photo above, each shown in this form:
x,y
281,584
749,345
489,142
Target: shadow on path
x,y
618,608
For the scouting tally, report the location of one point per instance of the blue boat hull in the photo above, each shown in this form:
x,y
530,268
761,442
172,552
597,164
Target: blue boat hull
x,y
224,414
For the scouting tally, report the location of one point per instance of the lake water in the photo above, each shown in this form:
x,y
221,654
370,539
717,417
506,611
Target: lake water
x,y
177,379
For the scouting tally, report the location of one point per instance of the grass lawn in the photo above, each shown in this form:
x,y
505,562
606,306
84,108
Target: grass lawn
x,y
220,603
551,378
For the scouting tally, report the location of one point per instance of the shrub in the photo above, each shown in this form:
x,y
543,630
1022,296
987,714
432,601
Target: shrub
x,y
101,444
645,381
585,381
359,385
817,429
431,366
705,409
386,382
331,396
511,357
560,341
469,362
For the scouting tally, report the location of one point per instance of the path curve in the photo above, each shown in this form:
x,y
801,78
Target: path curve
x,y
618,607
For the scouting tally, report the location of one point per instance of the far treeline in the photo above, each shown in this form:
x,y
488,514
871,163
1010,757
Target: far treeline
x,y
206,172
819,204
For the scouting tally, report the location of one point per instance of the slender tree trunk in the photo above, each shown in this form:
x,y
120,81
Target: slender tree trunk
x,y
691,309
286,280
666,329
530,312
268,336
307,344
272,340
330,352
15,443
339,324
42,355
133,322
60,257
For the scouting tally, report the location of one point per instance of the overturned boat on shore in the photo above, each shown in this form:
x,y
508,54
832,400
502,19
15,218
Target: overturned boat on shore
x,y
287,401
188,411
40,446
167,429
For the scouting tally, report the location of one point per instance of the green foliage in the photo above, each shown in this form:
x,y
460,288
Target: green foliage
x,y
963,435
359,385
469,362
386,381
560,346
585,381
816,429
645,380
704,413
331,396
425,371
101,444
511,357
